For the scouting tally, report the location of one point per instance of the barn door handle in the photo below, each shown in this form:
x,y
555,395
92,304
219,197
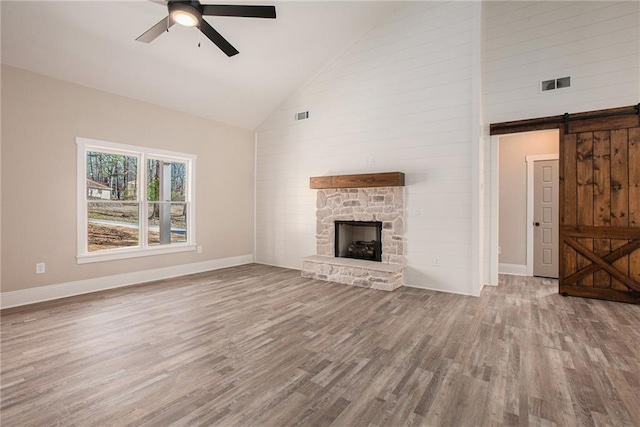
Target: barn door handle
x,y
537,224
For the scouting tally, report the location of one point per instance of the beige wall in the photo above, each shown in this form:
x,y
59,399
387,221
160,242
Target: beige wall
x,y
41,118
512,182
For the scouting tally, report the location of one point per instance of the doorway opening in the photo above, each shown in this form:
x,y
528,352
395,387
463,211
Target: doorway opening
x,y
525,217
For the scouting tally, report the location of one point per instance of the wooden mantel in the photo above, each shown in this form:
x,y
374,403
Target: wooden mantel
x,y
386,179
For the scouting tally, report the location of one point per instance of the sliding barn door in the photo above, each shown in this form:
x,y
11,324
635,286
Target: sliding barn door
x,y
600,208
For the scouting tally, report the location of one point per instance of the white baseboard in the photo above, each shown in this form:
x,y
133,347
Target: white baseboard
x,y
426,288
514,269
278,265
63,290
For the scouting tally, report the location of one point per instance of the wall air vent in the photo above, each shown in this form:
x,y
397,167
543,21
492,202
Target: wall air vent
x,y
553,84
301,116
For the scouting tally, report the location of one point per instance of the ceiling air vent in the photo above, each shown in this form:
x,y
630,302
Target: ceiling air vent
x,y
302,116
553,84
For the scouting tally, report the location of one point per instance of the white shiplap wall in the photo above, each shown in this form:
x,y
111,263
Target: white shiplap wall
x,y
404,96
597,43
400,99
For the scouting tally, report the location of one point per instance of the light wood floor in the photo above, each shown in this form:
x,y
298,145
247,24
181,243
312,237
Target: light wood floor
x,y
261,346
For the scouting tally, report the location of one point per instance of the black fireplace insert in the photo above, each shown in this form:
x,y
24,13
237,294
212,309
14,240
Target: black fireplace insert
x,y
358,239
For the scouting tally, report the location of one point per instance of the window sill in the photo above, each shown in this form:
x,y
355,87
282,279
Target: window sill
x,y
117,254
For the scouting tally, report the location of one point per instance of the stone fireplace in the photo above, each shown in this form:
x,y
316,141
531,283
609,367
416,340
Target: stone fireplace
x,y
371,218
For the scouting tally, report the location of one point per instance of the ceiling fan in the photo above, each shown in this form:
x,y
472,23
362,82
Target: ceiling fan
x,y
190,14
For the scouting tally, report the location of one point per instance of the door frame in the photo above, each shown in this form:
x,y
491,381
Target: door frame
x,y
494,263
530,189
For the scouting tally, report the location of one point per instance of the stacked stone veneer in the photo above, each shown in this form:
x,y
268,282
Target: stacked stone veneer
x,y
384,204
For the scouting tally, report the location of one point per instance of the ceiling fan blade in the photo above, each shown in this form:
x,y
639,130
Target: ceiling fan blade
x,y
152,33
217,38
244,11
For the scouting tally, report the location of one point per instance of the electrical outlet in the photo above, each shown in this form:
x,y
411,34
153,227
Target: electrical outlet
x,y
199,249
40,268
499,250
415,211
436,262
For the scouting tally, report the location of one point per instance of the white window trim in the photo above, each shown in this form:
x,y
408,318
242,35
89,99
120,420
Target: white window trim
x,y
143,249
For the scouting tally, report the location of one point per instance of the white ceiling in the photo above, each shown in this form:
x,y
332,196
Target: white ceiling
x,y
92,43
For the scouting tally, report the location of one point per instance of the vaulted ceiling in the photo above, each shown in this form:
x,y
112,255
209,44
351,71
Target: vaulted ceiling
x,y
92,43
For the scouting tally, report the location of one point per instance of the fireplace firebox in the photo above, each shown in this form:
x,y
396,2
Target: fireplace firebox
x,y
358,239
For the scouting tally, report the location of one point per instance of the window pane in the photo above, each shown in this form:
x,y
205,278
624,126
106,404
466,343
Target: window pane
x,y
178,181
166,181
111,176
153,180
167,223
112,225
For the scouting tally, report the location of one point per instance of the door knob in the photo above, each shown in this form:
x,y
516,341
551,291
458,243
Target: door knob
x,y
537,224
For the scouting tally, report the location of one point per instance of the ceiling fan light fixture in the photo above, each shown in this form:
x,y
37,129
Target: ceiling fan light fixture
x,y
190,13
185,14
185,18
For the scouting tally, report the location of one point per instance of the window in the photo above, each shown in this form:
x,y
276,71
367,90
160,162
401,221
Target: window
x,y
133,201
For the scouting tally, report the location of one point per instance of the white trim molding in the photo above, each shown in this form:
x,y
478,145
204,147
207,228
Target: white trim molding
x,y
426,288
63,290
494,212
513,269
116,254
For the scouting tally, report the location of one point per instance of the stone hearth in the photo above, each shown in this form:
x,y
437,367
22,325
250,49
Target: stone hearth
x,y
355,272
384,204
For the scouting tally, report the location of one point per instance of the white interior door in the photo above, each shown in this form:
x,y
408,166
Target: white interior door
x,y
545,218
